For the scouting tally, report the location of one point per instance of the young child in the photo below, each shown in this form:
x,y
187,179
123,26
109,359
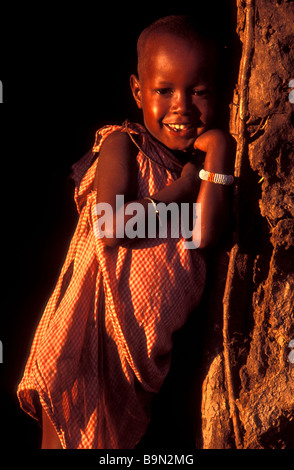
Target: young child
x,y
103,346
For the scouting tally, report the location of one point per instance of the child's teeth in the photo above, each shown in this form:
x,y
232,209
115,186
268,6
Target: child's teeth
x,y
177,126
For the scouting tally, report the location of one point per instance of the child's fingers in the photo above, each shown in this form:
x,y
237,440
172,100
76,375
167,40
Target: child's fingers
x,y
201,142
213,137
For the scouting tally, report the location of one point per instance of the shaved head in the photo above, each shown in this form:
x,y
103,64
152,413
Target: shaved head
x,y
180,26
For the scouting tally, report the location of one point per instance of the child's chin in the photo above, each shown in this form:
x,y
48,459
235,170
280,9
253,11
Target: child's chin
x,y
183,146
184,143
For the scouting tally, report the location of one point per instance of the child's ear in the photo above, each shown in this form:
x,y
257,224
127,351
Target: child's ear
x,y
136,90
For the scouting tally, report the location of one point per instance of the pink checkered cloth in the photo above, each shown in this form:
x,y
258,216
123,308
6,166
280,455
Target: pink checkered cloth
x,y
103,345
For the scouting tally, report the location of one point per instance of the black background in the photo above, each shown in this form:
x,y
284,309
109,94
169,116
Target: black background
x,y
65,73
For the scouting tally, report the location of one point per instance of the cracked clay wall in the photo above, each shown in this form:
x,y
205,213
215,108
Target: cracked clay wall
x,y
261,323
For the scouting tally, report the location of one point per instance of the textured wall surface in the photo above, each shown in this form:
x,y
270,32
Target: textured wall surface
x,y
261,322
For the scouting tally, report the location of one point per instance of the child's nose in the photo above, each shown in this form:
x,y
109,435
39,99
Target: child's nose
x,y
181,103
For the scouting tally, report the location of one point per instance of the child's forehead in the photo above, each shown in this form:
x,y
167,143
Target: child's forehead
x,y
165,50
168,41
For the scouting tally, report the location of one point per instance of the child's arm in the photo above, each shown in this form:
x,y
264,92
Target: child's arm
x,y
116,175
215,199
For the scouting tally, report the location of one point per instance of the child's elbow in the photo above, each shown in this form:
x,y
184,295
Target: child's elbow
x,y
206,242
209,238
110,242
107,235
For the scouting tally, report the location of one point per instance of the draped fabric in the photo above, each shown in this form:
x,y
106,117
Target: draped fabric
x,y
102,347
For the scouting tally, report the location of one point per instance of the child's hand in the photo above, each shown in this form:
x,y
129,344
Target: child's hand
x,y
214,138
217,145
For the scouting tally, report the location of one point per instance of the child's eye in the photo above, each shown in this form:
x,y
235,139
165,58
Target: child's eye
x,y
203,92
163,91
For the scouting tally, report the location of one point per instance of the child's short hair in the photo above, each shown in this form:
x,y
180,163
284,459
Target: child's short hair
x,y
181,26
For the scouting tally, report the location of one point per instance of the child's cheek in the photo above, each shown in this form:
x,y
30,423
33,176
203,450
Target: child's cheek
x,y
157,112
208,113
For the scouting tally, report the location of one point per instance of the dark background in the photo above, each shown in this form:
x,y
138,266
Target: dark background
x,y
65,73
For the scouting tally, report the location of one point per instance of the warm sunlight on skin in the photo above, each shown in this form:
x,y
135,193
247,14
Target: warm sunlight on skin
x,y
175,91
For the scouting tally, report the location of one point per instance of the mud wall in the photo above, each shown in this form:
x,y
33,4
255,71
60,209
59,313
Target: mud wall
x,y
258,410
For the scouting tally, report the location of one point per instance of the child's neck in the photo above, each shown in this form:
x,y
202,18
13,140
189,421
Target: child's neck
x,y
181,155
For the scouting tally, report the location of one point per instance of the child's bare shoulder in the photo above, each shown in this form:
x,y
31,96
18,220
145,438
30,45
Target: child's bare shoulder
x,y
120,143
117,161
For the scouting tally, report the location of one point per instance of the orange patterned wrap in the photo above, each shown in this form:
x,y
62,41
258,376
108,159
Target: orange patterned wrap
x,y
102,347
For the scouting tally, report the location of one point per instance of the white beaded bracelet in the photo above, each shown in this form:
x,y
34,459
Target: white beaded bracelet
x,y
216,177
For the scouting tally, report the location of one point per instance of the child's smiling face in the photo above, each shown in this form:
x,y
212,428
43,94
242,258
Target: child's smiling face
x,y
175,90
